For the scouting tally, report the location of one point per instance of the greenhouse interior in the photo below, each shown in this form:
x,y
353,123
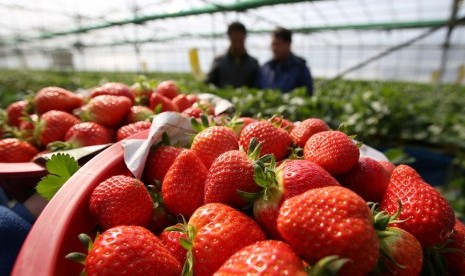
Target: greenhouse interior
x,y
232,137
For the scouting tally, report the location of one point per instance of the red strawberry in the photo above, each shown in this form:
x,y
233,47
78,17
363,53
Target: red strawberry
x,y
171,239
130,250
160,103
456,260
192,98
158,162
293,177
88,134
15,111
138,113
194,112
108,110
429,217
181,102
27,125
330,221
56,98
333,150
183,185
113,88
275,140
303,131
121,200
131,129
220,231
142,90
239,124
367,178
53,125
281,122
388,167
13,150
268,257
168,89
211,142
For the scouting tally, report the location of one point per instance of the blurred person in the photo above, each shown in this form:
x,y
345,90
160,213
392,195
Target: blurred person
x,y
285,71
236,67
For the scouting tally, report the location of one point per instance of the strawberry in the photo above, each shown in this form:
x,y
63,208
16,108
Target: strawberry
x,y
56,98
239,124
281,122
15,111
138,113
142,90
303,131
181,102
131,129
160,103
231,172
429,217
292,177
160,216
211,142
128,250
268,257
121,200
171,239
113,88
333,150
53,125
88,134
388,167
27,125
158,162
13,150
168,89
456,260
193,112
330,221
183,185
275,140
192,98
215,232
367,178
107,110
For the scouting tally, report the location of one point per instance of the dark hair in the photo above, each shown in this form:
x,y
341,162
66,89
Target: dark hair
x,y
283,34
236,27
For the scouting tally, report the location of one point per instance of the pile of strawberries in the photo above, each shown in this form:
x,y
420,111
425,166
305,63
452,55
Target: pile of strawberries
x,y
55,118
270,197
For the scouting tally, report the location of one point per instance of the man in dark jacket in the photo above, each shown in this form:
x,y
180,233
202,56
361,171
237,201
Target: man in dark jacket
x,y
236,67
285,71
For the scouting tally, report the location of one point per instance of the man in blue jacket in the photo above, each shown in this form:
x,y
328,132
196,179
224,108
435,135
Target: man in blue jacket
x,y
285,71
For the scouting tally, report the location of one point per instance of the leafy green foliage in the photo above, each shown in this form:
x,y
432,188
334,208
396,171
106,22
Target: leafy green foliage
x,y
60,168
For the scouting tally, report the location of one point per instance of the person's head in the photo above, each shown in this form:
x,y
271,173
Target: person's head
x,y
281,43
237,33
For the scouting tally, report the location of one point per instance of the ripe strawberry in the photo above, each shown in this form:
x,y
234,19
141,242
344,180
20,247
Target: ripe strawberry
x,y
330,221
56,98
113,88
138,113
168,89
158,162
183,185
333,150
181,102
160,103
88,134
27,125
193,112
130,250
275,140
131,129
429,217
13,150
293,177
281,122
211,142
268,257
142,90
53,125
367,178
192,98
388,167
107,110
220,231
171,239
239,124
15,111
121,200
456,260
303,131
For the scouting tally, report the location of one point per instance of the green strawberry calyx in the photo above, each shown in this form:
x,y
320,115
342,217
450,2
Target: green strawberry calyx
x,y
187,243
327,266
81,257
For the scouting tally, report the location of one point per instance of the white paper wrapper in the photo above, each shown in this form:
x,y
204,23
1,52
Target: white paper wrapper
x,y
221,105
368,151
136,150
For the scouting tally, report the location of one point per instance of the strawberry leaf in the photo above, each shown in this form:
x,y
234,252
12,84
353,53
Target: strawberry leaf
x,y
60,168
